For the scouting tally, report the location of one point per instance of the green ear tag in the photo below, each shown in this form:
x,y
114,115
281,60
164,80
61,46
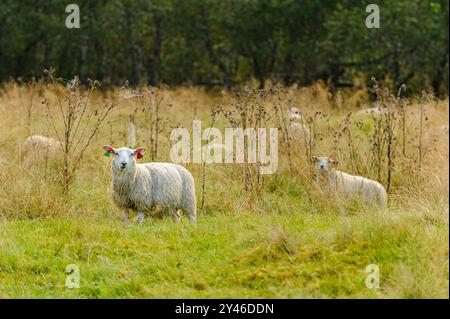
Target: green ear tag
x,y
106,154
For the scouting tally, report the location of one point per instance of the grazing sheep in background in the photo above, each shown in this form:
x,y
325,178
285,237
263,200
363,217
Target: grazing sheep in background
x,y
371,111
440,130
435,139
436,135
296,129
37,147
343,183
142,187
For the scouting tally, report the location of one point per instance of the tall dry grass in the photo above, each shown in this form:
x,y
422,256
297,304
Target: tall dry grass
x,y
404,145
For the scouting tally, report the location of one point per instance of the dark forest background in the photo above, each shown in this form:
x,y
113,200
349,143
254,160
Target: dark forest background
x,y
228,42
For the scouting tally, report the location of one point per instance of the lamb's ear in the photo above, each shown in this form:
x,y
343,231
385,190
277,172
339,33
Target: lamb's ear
x,y
333,162
314,158
109,149
139,152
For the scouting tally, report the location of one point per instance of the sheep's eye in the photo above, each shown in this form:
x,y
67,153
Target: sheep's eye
x,y
117,154
131,155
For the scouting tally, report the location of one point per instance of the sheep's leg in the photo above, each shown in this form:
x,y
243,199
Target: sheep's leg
x,y
125,214
190,211
191,215
140,217
176,216
192,218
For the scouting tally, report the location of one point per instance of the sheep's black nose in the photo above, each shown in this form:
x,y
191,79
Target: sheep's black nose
x,y
123,164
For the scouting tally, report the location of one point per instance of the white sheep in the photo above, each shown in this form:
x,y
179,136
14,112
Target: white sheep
x,y
297,130
374,111
143,187
439,130
346,184
435,139
37,147
436,134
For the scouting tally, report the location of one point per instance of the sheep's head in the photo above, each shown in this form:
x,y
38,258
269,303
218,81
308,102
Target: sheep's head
x,y
294,114
124,157
324,164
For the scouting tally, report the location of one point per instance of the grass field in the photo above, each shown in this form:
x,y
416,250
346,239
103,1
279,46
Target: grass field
x,y
294,254
288,239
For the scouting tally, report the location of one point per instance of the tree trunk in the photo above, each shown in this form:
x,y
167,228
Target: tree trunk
x,y
210,49
156,78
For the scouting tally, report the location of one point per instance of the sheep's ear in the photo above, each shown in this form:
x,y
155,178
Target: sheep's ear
x,y
314,158
139,152
109,149
333,162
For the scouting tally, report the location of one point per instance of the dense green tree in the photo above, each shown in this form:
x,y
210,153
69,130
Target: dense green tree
x,y
228,42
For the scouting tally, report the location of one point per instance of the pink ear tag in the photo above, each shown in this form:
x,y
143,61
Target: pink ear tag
x,y
139,155
106,154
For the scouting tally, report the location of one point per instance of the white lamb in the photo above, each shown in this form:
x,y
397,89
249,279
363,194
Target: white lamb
x,y
371,191
297,130
143,187
37,147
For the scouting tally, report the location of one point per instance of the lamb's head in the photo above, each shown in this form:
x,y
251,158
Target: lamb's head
x,y
294,109
124,157
324,164
294,114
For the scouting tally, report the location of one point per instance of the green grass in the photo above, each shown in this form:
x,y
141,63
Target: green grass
x,y
290,244
295,254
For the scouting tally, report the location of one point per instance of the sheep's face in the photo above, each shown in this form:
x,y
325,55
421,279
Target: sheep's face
x,y
324,164
124,157
294,114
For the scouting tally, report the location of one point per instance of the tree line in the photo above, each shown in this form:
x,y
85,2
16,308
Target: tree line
x,y
228,42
